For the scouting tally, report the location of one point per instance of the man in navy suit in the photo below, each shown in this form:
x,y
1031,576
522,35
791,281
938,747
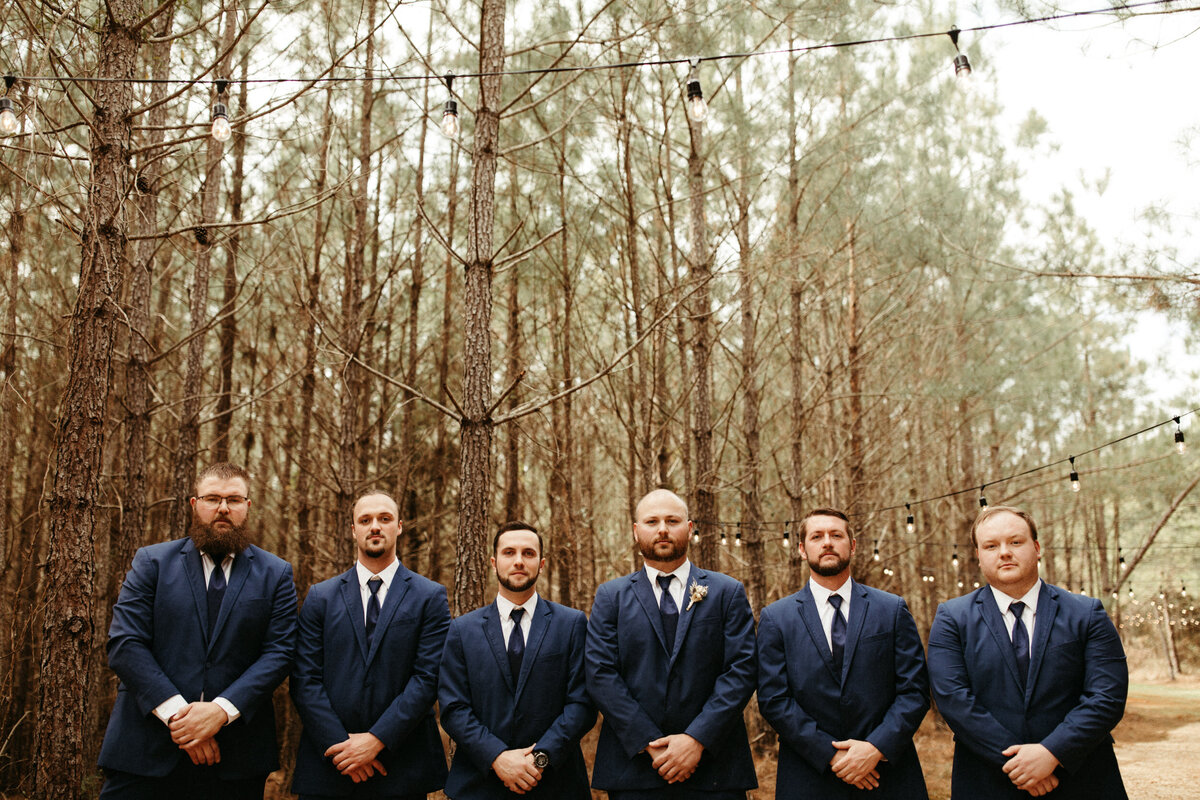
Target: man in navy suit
x,y
366,672
512,693
1031,678
841,677
202,633
670,664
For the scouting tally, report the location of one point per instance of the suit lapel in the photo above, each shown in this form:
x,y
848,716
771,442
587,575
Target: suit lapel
x,y
395,596
193,571
537,633
352,596
700,578
494,633
858,614
645,596
238,573
995,624
812,621
1047,610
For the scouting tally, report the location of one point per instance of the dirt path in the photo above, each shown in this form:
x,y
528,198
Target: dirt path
x,y
1156,741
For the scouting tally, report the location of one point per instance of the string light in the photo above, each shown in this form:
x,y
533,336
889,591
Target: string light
x,y
1180,445
737,537
954,558
876,556
910,524
8,117
982,499
787,541
450,125
962,66
724,540
697,109
1074,476
695,537
221,129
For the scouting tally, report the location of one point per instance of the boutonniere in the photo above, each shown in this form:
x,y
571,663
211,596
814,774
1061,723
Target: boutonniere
x,y
696,593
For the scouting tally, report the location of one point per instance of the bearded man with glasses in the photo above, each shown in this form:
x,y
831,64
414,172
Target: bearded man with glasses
x,y
203,631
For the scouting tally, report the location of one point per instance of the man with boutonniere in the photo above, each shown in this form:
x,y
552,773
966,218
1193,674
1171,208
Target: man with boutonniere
x,y
842,678
670,664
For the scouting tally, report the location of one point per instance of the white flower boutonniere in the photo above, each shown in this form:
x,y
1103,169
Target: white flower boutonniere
x,y
696,593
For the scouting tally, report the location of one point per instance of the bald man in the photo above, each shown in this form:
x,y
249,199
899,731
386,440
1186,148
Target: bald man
x,y
670,664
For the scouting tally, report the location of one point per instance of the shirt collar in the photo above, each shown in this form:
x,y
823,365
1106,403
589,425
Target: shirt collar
x,y
1030,599
387,573
821,594
682,572
505,607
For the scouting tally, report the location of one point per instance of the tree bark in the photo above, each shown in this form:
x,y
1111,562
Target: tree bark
x,y
67,629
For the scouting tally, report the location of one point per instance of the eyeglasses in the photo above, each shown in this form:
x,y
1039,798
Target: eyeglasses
x,y
232,502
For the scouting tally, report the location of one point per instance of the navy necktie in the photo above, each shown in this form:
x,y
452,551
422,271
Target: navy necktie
x,y
373,606
837,631
669,611
1020,640
516,644
216,593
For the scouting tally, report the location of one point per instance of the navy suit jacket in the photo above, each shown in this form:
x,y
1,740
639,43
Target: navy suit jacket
x,y
486,713
880,695
159,645
341,687
1073,698
646,692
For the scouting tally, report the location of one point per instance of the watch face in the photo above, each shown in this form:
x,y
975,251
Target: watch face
x,y
541,760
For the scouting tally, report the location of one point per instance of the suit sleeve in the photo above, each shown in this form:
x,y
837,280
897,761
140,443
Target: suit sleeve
x,y
795,726
414,702
633,727
578,714
1102,702
895,731
307,685
735,684
251,691
973,725
473,738
131,635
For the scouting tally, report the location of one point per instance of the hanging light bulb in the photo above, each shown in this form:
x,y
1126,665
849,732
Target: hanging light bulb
x,y
696,537
697,109
1074,476
8,117
962,66
876,556
787,542
737,539
910,524
450,127
724,540
954,558
221,129
982,499
1180,445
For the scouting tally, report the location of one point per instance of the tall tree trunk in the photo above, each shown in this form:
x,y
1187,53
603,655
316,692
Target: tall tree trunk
x,y
475,462
563,521
854,419
193,387
752,515
795,478
512,372
704,511
67,629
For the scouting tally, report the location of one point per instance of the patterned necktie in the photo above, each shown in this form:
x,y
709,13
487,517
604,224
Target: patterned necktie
x,y
669,611
1020,640
516,644
837,631
373,606
216,593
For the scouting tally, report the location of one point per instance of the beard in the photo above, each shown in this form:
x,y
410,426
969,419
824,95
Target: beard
x,y
828,570
219,542
511,582
651,554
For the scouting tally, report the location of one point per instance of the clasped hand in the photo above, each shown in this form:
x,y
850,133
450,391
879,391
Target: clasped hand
x,y
516,770
855,763
675,756
1031,768
356,756
193,728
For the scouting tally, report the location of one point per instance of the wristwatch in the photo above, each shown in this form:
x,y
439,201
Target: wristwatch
x,y
541,759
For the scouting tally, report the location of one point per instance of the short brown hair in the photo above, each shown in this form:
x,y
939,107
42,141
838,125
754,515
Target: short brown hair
x,y
516,525
224,471
992,511
824,512
375,493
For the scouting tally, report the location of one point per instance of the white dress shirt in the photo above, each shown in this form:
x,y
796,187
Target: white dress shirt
x,y
504,607
364,575
1030,599
678,583
825,610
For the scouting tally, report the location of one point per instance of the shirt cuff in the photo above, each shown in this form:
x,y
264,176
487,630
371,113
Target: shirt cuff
x,y
229,708
169,708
